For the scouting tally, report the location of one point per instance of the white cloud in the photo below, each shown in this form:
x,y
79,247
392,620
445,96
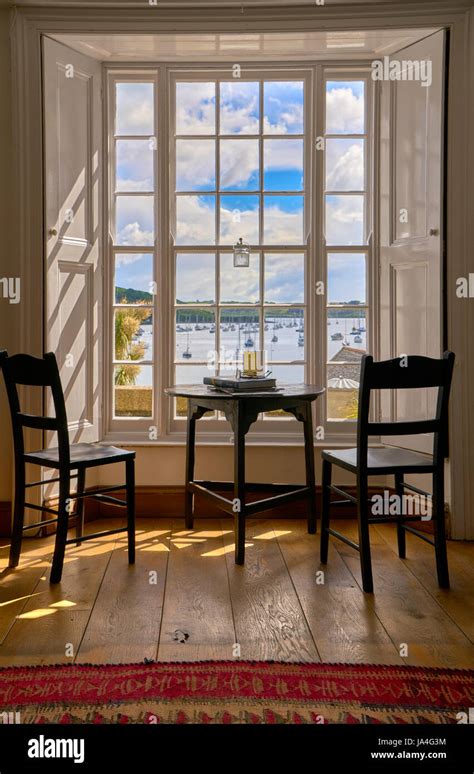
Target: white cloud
x,y
195,221
195,277
283,228
283,154
235,120
246,226
344,220
195,108
239,284
134,220
195,164
344,111
133,234
125,184
239,160
290,119
134,108
284,277
126,259
134,165
344,165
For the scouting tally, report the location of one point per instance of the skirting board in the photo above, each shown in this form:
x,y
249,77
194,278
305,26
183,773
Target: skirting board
x,y
5,518
168,502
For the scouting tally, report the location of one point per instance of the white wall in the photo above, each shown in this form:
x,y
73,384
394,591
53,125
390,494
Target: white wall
x,y
9,313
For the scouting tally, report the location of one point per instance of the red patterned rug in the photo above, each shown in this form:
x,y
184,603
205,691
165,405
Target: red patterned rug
x,y
235,692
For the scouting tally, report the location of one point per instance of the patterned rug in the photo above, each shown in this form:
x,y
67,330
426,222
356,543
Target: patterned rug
x,y
235,692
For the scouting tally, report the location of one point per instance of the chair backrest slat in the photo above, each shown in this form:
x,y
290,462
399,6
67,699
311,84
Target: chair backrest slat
x,y
408,372
413,427
37,422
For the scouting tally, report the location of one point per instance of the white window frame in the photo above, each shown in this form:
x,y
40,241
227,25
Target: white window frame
x,y
347,427
166,428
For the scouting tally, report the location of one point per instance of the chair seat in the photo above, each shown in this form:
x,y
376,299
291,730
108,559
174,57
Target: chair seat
x,y
380,461
83,455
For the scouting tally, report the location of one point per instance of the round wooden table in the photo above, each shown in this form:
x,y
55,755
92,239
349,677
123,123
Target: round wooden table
x,y
242,410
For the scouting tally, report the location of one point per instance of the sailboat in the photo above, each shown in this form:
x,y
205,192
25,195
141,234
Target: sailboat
x,y
248,341
187,352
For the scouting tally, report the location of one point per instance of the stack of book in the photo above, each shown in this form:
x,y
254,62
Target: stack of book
x,y
244,384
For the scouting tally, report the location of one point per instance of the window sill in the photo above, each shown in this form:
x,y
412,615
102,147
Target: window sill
x,y
179,440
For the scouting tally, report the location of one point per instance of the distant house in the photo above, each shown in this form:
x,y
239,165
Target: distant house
x,y
346,364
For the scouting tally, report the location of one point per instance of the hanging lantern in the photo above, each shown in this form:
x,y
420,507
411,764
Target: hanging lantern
x,y
241,254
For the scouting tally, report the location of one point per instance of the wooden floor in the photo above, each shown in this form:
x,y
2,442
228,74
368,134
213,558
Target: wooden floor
x,y
185,599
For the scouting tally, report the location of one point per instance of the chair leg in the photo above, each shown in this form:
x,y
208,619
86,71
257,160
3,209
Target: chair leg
x,y
239,486
61,528
401,534
309,465
190,454
325,507
18,515
81,485
130,488
440,529
364,541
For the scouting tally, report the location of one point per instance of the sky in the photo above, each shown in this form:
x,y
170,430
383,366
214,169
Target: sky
x,y
197,117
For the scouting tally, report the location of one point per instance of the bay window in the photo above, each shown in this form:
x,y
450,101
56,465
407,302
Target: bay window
x,y
199,159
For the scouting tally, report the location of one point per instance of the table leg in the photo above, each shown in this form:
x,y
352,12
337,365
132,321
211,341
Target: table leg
x,y
309,462
190,450
239,484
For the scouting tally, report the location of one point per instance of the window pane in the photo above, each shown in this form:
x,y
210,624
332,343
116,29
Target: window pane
x,y
133,391
133,334
345,220
134,108
342,391
283,165
195,278
283,107
284,278
347,335
284,334
345,107
283,220
195,335
133,278
195,220
195,165
344,165
195,108
285,374
134,169
239,165
239,112
239,285
239,330
190,374
135,220
239,218
346,278
288,374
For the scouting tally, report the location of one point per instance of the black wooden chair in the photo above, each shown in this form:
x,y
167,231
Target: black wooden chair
x,y
66,457
414,373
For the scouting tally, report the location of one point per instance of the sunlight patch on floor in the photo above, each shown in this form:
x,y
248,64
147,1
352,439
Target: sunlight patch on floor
x,y
224,550
274,533
40,613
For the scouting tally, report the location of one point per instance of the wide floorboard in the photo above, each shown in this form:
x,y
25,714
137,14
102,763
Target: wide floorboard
x,y
185,599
